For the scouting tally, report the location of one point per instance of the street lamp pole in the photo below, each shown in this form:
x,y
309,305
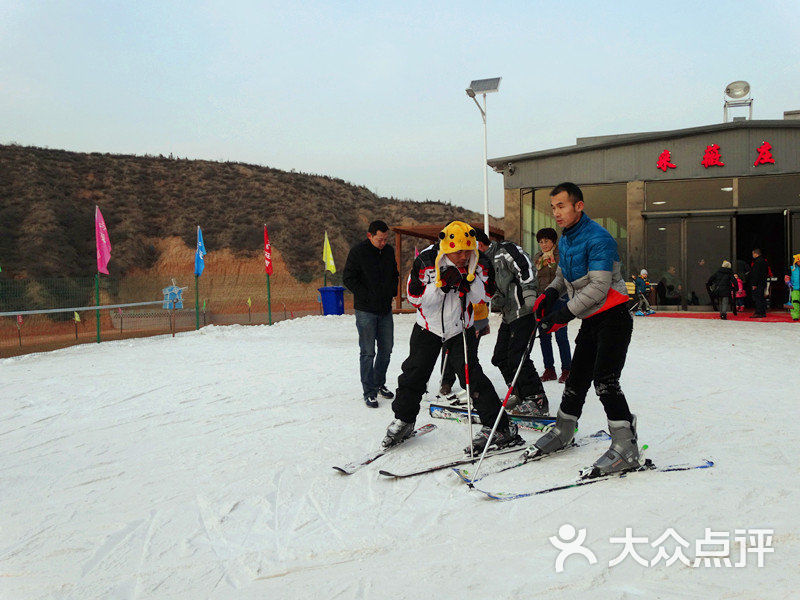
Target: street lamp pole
x,y
484,86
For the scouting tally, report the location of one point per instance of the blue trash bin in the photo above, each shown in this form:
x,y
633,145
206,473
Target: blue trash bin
x,y
332,300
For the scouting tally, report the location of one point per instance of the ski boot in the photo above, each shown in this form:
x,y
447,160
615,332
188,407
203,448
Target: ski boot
x,y
503,438
623,454
513,402
560,436
397,432
445,390
533,406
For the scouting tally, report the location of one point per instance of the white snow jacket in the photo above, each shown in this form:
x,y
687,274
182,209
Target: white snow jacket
x,y
440,312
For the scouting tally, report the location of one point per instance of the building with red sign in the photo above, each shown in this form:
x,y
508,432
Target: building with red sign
x,y
678,202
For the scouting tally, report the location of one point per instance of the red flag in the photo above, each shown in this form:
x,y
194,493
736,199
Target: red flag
x,y
267,253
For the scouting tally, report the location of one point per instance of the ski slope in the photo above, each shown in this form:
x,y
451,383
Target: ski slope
x,y
200,467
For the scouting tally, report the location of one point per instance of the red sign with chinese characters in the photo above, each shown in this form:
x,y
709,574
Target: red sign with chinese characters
x,y
764,155
712,157
663,162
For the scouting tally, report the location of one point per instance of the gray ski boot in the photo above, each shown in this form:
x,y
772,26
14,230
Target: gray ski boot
x,y
503,438
623,454
397,432
560,436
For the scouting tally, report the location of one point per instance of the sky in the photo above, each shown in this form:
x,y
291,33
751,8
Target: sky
x,y
373,93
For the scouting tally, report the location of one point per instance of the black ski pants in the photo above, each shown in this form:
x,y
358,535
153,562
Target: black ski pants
x,y
512,341
600,351
417,368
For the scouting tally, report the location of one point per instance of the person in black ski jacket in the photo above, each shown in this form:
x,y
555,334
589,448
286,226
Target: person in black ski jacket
x,y
757,281
371,274
721,285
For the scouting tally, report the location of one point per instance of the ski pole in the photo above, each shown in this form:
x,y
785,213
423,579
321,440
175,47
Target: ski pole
x,y
466,373
525,355
444,366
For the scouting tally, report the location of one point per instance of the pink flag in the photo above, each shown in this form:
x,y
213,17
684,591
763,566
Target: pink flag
x,y
416,252
103,243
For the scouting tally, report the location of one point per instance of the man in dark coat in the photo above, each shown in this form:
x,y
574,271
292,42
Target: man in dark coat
x,y
720,286
371,274
757,281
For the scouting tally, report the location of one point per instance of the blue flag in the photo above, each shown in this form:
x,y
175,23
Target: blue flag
x,y
199,263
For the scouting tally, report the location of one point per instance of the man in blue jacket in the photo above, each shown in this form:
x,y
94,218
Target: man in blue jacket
x,y
589,273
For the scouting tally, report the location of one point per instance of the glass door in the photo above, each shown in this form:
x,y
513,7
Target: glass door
x,y
708,244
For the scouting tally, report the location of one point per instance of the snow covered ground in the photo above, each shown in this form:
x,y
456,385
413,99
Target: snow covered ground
x,y
200,467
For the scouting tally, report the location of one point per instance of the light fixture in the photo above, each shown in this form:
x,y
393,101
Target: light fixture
x,y
726,189
739,94
659,202
484,86
662,228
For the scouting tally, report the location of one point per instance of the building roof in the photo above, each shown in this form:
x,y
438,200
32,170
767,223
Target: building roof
x,y
611,141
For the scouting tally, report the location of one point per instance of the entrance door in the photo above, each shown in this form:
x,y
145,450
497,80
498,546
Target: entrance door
x,y
766,231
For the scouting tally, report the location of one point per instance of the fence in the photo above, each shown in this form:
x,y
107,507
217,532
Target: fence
x,y
223,300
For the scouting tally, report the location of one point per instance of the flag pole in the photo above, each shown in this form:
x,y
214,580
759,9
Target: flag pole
x,y
196,302
269,302
97,303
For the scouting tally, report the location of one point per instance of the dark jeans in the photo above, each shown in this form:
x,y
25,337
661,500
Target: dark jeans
x,y
512,341
600,351
759,300
546,341
417,368
374,328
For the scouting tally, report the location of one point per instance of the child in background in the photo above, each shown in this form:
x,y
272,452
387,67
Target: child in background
x,y
641,284
739,291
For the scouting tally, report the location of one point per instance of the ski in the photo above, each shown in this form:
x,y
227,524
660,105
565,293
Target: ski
x,y
648,466
460,415
450,464
530,455
352,467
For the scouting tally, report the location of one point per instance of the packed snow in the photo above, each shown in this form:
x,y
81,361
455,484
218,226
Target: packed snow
x,y
200,467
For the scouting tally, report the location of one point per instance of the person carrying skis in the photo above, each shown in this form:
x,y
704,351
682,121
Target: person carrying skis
x,y
445,281
516,280
589,273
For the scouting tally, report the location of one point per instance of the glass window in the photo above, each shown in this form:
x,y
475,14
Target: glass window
x,y
528,235
664,266
795,233
689,194
769,190
606,204
708,243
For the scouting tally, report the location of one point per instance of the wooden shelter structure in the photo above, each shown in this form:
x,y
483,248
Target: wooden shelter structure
x,y
430,232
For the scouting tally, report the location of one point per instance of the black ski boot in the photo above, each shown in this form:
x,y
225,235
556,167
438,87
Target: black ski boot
x,y
503,438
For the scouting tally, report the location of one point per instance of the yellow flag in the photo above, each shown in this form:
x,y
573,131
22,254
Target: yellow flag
x,y
249,303
77,317
327,255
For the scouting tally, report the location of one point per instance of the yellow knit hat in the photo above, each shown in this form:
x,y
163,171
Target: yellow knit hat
x,y
457,236
796,259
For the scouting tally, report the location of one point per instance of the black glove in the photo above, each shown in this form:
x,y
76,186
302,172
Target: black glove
x,y
452,279
544,303
555,320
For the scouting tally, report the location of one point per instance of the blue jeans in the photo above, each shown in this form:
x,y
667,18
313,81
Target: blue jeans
x,y
546,340
374,329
